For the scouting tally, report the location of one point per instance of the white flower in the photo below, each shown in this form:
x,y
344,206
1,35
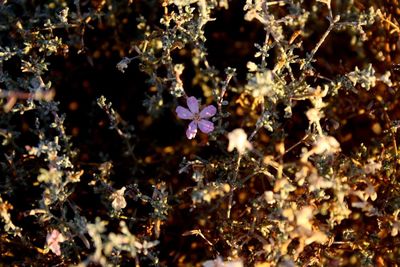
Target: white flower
x,y
372,166
326,144
252,66
53,241
304,216
314,115
261,83
317,182
119,201
385,78
238,139
269,197
370,193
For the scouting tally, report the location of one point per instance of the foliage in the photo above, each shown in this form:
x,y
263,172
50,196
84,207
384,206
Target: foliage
x,y
295,162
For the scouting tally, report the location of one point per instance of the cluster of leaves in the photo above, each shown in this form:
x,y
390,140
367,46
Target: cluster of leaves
x,y
279,177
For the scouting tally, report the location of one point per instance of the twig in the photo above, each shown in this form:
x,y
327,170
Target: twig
x,y
312,54
221,96
198,233
228,213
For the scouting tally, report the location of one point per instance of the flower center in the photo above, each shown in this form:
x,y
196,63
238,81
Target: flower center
x,y
196,117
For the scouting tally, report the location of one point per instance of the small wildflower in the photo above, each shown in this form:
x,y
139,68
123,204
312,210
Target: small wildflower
x,y
53,241
261,83
269,197
385,78
52,176
198,118
119,201
314,115
326,144
370,193
304,216
372,166
238,139
252,66
317,182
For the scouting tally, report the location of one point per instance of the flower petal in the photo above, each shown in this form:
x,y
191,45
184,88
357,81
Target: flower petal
x,y
55,248
208,112
193,104
206,126
191,130
53,239
184,113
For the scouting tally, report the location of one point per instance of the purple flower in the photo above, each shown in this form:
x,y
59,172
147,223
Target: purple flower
x,y
198,118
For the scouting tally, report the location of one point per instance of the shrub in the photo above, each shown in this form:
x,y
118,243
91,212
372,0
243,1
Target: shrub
x,y
295,161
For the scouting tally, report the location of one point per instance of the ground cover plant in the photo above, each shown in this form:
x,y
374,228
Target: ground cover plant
x,y
199,133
